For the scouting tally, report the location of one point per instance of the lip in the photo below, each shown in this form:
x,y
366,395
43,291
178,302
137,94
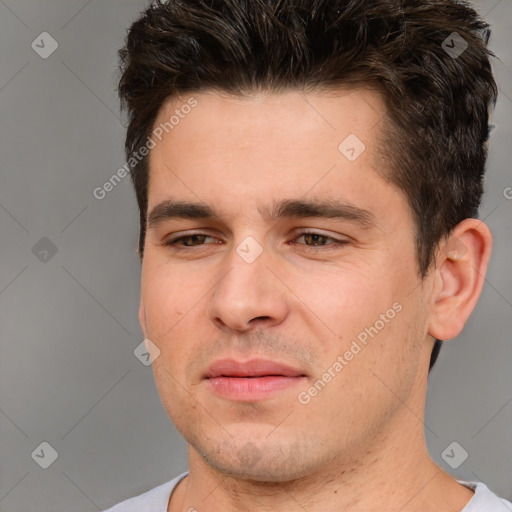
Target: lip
x,y
252,380
251,368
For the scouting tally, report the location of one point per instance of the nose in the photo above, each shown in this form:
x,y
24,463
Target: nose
x,y
249,295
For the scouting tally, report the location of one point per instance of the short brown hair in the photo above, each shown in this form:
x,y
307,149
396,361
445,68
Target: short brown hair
x,y
428,58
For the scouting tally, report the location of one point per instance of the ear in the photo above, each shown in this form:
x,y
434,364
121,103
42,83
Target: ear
x,y
459,277
142,317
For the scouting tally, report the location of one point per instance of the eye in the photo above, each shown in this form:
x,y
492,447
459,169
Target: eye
x,y
317,238
172,242
313,241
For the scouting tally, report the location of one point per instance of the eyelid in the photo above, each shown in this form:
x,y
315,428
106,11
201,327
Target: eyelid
x,y
176,236
335,242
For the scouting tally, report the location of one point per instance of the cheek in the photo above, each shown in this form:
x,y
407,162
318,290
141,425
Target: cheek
x,y
166,303
371,314
173,393
350,298
168,295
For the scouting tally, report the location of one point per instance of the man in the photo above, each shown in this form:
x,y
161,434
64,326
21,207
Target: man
x,y
308,175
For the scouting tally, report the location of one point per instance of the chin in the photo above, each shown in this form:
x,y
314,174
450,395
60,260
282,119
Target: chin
x,y
259,472
271,461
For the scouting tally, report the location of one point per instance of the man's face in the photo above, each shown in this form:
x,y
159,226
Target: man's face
x,y
247,285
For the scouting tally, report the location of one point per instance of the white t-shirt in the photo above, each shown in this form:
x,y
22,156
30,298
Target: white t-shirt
x,y
157,499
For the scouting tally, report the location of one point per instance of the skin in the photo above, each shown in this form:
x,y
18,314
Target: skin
x,y
359,444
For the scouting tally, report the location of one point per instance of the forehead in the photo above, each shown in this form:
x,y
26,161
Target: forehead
x,y
314,115
217,148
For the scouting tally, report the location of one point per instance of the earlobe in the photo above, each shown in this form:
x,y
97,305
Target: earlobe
x,y
460,272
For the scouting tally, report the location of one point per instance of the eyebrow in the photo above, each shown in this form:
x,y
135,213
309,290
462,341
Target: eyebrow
x,y
289,208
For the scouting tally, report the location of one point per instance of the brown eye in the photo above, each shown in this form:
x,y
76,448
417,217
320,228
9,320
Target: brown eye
x,y
185,242
316,240
186,239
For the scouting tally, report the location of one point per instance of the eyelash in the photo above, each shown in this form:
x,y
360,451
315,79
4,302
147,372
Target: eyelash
x,y
336,245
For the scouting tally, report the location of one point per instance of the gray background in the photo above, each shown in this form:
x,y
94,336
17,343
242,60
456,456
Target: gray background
x,y
68,375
